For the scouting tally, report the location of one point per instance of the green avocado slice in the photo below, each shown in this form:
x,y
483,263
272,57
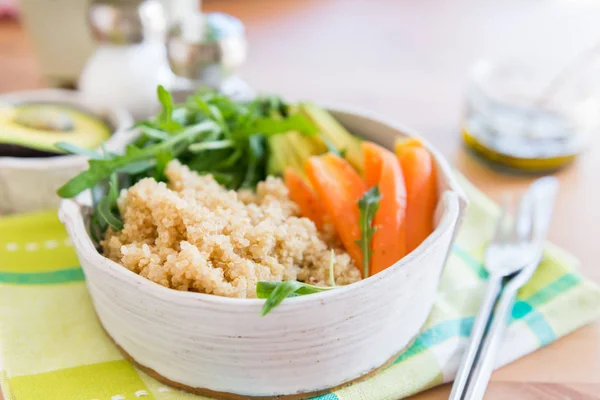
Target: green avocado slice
x,y
32,130
333,131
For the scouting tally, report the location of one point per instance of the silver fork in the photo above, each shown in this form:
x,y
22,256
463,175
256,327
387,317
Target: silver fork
x,y
511,250
541,197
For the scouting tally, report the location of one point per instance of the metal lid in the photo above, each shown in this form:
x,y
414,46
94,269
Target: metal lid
x,y
125,21
206,47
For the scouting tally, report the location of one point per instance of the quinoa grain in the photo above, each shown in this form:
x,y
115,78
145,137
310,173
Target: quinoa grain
x,y
192,234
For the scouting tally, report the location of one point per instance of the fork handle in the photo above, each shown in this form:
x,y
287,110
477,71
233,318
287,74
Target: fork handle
x,y
475,339
486,359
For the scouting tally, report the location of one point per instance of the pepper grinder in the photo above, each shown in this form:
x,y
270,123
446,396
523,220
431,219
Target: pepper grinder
x,y
205,50
130,60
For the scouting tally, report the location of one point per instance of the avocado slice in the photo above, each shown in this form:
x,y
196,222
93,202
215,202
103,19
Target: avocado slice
x,y
337,135
292,149
32,130
282,155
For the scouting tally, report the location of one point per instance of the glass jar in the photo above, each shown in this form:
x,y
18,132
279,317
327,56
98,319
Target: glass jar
x,y
514,119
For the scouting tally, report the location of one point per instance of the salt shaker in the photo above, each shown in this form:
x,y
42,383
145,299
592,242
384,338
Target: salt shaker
x,y
205,50
130,60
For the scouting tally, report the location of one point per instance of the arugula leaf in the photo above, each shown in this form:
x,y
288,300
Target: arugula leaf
x,y
212,145
74,149
256,154
207,161
101,169
216,116
208,110
153,133
226,179
105,213
113,190
231,160
167,103
181,115
166,100
276,292
165,118
137,167
108,203
270,126
96,230
210,132
162,159
368,206
272,105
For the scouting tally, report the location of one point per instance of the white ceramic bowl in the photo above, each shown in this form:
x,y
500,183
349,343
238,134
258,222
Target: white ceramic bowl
x,y
306,345
28,184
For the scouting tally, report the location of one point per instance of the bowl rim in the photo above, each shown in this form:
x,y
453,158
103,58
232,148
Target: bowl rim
x,y
71,214
120,119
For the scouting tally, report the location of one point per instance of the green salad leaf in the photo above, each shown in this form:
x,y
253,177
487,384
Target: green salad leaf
x,y
232,132
256,165
212,145
165,118
276,292
100,169
153,133
74,149
137,167
163,157
210,132
368,206
166,100
108,203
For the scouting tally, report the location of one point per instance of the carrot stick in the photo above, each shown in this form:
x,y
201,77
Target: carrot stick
x,y
339,187
389,240
303,195
420,176
372,164
406,142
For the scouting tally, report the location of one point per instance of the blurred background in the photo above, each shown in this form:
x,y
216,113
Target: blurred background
x,y
431,65
407,59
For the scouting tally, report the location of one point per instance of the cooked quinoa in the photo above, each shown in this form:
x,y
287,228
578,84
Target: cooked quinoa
x,y
193,234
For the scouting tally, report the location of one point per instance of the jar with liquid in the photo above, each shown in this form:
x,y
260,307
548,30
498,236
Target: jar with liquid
x,y
513,119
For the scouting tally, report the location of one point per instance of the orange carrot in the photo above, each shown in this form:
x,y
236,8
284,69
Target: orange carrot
x,y
303,195
389,240
339,187
372,165
420,176
406,142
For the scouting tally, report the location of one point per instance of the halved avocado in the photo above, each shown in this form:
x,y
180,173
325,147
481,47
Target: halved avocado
x,y
32,130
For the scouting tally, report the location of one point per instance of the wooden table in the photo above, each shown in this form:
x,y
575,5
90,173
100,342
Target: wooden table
x,y
408,60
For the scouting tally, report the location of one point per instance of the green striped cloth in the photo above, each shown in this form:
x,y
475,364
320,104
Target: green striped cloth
x,y
52,346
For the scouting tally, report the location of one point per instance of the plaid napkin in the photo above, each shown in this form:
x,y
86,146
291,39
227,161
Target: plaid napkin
x,y
52,346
